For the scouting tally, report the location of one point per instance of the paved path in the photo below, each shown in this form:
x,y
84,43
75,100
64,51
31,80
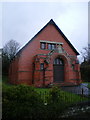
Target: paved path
x,y
81,89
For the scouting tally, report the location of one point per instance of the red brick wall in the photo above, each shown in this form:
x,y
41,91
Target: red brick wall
x,y
13,72
23,68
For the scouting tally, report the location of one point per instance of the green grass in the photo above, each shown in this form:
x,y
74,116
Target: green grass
x,y
72,98
42,90
5,82
69,98
89,85
0,83
55,108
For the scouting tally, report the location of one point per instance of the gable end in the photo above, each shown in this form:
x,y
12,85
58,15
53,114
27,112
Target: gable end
x,y
53,23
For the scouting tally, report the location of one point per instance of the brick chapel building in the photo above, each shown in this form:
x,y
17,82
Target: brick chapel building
x,y
48,58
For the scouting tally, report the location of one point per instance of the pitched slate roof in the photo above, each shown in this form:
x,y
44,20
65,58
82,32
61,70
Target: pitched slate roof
x,y
53,23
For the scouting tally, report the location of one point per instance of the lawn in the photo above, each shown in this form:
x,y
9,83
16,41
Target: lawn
x,y
88,84
37,102
67,97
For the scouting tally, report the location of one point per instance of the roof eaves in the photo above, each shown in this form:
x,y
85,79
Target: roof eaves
x,y
32,39
65,38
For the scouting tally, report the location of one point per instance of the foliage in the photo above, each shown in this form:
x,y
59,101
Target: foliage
x,y
5,64
85,66
85,72
55,104
26,102
54,94
88,85
20,102
56,101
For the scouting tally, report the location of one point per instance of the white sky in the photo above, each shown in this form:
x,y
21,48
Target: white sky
x,y
22,20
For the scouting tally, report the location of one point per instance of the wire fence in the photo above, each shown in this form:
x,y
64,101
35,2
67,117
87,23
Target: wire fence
x,y
67,97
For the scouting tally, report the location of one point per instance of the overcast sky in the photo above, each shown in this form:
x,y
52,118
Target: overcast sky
x,y
22,20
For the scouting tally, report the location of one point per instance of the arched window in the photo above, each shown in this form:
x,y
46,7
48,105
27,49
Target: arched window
x,y
58,61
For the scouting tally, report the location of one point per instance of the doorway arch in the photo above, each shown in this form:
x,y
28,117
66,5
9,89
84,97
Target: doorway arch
x,y
58,69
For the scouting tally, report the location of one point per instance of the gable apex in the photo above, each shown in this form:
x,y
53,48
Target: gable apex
x,y
58,29
51,21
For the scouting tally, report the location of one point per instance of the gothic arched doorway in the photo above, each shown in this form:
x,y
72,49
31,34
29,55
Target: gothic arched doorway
x,y
58,68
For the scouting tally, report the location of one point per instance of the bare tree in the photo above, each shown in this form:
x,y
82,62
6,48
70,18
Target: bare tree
x,y
86,54
8,52
11,48
85,65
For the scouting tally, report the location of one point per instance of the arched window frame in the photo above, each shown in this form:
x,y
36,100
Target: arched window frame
x,y
58,61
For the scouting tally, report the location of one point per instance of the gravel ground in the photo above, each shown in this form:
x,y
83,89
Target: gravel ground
x,y
80,89
77,112
81,110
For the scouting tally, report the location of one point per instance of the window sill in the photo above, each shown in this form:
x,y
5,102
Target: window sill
x,y
46,49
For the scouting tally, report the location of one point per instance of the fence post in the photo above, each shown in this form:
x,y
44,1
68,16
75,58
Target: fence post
x,y
82,91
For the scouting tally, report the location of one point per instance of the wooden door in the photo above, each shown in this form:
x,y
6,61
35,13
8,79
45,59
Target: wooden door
x,y
58,70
